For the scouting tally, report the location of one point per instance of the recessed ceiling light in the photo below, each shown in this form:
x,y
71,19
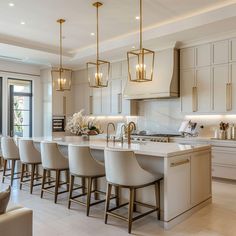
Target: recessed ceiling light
x,y
137,17
22,23
92,34
133,47
11,4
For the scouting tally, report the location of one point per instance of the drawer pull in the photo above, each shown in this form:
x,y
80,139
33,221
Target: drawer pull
x,y
173,164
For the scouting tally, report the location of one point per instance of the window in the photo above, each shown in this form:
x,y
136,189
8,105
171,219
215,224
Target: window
x,y
20,108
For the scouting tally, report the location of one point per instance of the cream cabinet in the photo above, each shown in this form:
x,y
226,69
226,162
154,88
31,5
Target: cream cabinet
x,y
233,50
232,86
186,85
203,55
116,70
220,89
116,98
177,185
187,58
200,177
96,101
106,100
220,52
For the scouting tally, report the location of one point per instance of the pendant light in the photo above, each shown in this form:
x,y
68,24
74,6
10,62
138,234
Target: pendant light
x,y
61,77
98,71
141,61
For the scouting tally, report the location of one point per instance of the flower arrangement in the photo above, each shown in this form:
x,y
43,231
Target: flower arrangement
x,y
79,124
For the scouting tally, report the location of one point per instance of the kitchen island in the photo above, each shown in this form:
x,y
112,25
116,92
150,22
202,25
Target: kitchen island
x,y
186,186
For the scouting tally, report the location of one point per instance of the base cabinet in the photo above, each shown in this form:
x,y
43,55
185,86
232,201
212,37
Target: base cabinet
x,y
187,182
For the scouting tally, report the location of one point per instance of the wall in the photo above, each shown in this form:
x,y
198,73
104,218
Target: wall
x,y
22,71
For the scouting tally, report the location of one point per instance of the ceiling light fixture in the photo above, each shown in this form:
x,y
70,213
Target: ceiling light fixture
x,y
140,61
22,23
137,18
11,4
92,34
98,71
61,77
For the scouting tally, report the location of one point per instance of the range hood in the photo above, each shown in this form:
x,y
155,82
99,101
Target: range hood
x,y
165,83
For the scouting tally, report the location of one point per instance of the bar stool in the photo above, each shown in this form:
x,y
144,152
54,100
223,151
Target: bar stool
x,y
123,169
83,165
53,160
29,156
10,153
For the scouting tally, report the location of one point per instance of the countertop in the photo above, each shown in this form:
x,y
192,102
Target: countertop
x,y
142,148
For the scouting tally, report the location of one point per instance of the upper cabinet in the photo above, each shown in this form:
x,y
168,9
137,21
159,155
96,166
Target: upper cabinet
x,y
220,52
187,58
208,77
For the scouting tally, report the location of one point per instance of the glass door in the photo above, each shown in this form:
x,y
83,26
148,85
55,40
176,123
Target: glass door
x,y
20,109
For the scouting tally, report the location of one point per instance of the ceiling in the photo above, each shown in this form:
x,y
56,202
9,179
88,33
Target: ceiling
x,y
165,21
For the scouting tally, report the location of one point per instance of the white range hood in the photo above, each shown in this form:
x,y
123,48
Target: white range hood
x,y
165,83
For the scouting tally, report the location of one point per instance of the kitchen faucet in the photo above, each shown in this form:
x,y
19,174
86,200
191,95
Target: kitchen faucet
x,y
112,124
131,127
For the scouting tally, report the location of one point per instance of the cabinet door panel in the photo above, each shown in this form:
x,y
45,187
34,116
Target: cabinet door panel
x,y
97,101
233,49
203,55
187,58
220,80
187,83
177,186
200,177
221,52
116,96
233,84
106,101
203,80
116,69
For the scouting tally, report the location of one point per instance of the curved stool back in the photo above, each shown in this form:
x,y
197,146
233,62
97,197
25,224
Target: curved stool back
x,y
52,158
9,148
28,153
82,163
10,152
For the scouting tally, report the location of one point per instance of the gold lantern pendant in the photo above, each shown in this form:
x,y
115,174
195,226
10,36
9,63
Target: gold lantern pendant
x,y
61,77
98,71
141,61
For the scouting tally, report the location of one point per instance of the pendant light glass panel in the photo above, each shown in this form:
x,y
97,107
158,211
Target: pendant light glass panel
x,y
98,73
140,65
61,77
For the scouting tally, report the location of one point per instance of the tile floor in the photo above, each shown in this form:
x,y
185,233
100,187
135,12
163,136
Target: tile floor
x,y
217,219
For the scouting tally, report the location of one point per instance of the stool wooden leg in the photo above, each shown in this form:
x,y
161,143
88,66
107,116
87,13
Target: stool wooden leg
x,y
158,199
32,178
131,208
83,184
95,182
89,195
67,179
4,170
22,174
108,196
117,194
57,185
72,179
12,170
43,181
135,207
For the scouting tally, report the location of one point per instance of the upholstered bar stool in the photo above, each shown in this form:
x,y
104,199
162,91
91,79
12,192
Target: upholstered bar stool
x,y
123,170
10,152
29,156
53,160
83,165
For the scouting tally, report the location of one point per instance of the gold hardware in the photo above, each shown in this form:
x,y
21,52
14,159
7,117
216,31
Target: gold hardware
x,y
62,76
194,99
229,96
131,127
143,71
98,79
174,164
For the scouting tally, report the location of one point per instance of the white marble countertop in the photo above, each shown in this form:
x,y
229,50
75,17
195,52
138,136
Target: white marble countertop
x,y
142,148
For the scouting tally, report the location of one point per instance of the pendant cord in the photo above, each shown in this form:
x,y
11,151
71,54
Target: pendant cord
x,y
60,45
97,36
141,25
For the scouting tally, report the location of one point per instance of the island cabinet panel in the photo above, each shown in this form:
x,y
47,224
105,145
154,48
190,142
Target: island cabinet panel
x,y
177,186
200,177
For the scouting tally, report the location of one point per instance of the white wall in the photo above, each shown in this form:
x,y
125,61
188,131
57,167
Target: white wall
x,y
28,72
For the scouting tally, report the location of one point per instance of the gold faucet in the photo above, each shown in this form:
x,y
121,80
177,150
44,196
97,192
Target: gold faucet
x,y
131,127
112,124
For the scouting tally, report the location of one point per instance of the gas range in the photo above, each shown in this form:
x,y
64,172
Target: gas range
x,y
153,137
